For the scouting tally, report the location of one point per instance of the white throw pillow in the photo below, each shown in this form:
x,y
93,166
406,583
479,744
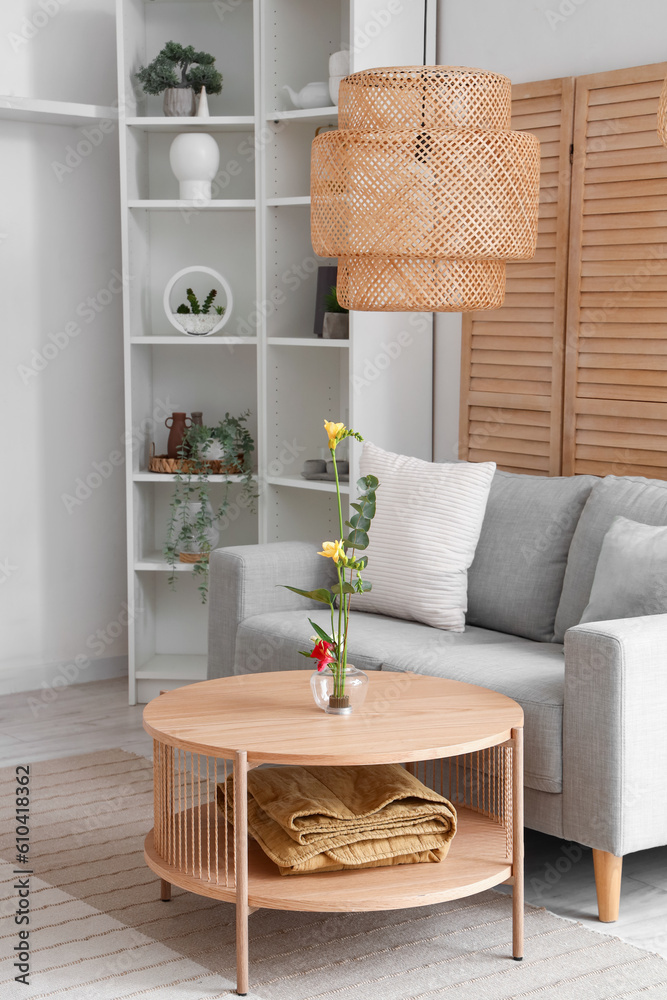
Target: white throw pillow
x,y
424,535
631,575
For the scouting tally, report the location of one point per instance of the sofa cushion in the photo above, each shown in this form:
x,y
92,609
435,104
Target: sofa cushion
x,y
516,578
530,672
631,574
643,500
423,539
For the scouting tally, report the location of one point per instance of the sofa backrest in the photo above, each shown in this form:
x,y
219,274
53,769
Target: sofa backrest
x,y
516,578
643,500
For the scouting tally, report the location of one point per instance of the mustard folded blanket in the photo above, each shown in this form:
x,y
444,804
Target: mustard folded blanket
x,y
309,819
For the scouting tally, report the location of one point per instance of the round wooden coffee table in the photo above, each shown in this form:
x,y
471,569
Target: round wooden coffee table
x,y
462,740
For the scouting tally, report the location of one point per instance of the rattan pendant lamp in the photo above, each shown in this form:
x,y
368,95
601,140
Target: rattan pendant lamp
x,y
424,192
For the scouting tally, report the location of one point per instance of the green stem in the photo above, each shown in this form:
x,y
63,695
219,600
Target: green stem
x,y
340,509
342,603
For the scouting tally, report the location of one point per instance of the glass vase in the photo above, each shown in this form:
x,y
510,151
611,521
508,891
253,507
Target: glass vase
x,y
350,696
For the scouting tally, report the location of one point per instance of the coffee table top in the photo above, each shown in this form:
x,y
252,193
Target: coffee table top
x,y
272,716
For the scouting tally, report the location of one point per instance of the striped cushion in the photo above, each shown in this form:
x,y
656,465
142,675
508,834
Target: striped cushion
x,y
423,539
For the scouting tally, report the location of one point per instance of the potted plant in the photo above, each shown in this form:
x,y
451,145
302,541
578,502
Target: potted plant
x,y
199,319
336,318
180,72
192,530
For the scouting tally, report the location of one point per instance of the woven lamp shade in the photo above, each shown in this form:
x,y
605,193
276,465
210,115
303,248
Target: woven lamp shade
x,y
662,115
424,192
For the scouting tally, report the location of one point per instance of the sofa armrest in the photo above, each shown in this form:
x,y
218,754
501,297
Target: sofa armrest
x,y
615,734
245,580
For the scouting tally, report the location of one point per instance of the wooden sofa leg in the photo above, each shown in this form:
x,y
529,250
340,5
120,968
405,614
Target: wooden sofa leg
x,y
608,869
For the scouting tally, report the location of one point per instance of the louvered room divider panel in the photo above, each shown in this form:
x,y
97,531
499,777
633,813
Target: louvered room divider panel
x,y
512,357
615,419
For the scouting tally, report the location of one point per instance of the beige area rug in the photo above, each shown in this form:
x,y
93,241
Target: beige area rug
x,y
100,932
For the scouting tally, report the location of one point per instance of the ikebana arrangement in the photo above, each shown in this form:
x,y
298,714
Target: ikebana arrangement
x,y
337,685
192,530
180,72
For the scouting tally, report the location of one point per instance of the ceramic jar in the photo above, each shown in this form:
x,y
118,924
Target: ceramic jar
x,y
194,159
177,428
179,102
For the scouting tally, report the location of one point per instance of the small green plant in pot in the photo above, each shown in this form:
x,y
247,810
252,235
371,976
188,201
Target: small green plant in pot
x,y
193,527
199,319
180,72
336,317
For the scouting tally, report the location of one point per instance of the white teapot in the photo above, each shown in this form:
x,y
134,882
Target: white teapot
x,y
313,95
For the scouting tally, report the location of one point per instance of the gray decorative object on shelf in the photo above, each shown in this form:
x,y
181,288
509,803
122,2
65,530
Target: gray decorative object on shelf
x,y
336,326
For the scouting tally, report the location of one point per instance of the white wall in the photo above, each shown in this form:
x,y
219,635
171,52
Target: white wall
x,y
62,566
533,40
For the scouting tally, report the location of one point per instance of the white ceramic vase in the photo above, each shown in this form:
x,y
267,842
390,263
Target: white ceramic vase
x,y
194,158
339,68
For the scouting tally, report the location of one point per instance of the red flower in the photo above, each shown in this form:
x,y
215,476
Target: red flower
x,y
322,654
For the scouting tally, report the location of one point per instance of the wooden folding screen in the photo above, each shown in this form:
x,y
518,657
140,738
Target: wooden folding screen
x,y
615,419
512,357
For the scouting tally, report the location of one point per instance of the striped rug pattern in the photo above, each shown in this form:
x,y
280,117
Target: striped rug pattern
x,y
100,932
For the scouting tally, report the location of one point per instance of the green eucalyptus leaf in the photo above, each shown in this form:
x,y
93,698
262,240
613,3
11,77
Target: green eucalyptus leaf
x,y
358,539
345,588
363,586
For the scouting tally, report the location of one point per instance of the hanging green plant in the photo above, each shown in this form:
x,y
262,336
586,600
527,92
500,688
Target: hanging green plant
x,y
192,529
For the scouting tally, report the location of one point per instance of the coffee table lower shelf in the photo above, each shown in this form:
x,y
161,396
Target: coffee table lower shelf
x,y
477,860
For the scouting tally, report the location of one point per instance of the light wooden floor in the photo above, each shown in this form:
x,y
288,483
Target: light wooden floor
x,y
96,716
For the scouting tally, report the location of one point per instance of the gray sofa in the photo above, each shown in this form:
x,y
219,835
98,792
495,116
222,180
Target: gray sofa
x,y
594,695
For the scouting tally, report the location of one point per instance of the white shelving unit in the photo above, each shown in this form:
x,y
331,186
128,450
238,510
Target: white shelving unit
x,y
41,112
255,231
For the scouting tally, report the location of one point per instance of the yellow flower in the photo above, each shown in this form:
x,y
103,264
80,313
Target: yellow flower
x,y
334,431
333,550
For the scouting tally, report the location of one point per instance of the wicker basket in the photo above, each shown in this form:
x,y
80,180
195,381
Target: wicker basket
x,y
193,557
166,466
